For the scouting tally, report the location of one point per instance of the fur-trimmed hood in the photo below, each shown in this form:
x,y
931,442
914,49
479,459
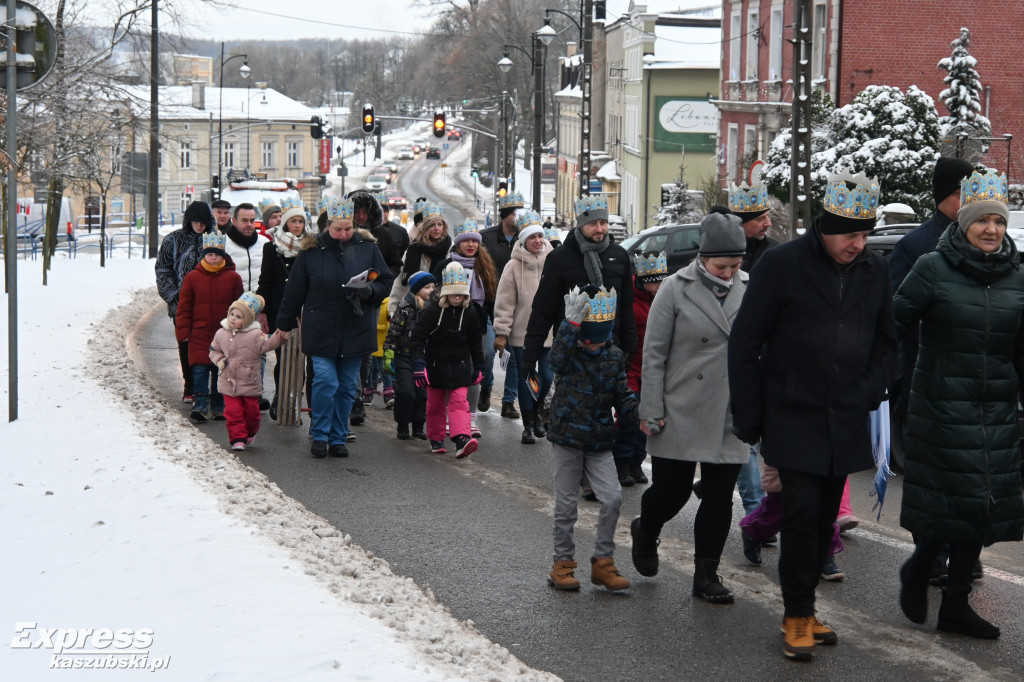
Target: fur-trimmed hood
x,y
364,199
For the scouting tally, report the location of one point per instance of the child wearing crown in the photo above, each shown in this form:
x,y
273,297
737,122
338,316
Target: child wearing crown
x,y
448,358
237,351
591,381
206,293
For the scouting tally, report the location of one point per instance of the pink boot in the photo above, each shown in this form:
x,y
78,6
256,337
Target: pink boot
x,y
846,520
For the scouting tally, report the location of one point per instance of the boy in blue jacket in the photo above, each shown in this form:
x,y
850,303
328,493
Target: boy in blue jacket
x,y
590,381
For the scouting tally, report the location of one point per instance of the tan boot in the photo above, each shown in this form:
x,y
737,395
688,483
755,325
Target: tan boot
x,y
603,572
561,576
798,644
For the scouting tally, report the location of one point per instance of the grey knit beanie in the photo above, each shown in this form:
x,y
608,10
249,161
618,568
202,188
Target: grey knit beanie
x,y
971,212
722,236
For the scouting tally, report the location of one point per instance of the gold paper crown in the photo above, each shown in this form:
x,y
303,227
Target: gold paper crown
x,y
860,202
590,203
511,200
252,302
988,186
266,204
215,240
429,209
342,209
652,265
466,227
454,275
289,203
324,202
748,199
527,218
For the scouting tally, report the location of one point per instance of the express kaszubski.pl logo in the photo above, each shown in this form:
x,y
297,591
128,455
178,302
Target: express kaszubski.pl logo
x,y
91,647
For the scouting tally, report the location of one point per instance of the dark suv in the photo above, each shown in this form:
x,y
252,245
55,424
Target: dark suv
x,y
679,242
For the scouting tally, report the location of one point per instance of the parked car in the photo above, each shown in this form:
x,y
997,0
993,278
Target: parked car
x,y
883,239
406,154
376,183
396,200
433,153
679,242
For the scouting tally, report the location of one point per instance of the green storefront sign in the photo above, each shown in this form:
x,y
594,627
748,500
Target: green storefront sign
x,y
687,124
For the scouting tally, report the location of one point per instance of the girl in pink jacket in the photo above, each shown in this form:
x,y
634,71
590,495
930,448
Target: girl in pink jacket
x,y
237,350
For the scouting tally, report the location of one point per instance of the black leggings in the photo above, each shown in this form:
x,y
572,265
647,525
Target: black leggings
x,y
671,484
962,558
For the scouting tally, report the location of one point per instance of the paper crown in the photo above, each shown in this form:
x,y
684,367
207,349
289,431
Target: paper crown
x,y
587,204
988,186
340,209
215,240
324,202
527,218
420,204
289,203
252,302
860,203
465,230
454,275
266,204
511,200
748,199
429,210
603,304
653,266
551,234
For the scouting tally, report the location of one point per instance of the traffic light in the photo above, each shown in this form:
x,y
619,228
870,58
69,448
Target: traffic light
x,y
502,188
474,172
369,120
438,124
316,127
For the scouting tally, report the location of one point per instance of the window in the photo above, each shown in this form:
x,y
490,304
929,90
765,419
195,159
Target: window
x,y
294,154
820,35
160,158
731,150
753,37
185,155
186,199
734,45
228,154
775,46
267,155
685,240
116,151
749,144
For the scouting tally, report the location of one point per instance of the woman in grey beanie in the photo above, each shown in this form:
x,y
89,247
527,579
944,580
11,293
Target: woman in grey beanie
x,y
685,391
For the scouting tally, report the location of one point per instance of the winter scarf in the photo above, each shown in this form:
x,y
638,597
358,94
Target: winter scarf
x,y
476,286
240,239
591,261
718,286
213,268
435,252
979,265
289,246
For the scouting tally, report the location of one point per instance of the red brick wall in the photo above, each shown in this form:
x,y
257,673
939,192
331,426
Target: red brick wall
x,y
900,42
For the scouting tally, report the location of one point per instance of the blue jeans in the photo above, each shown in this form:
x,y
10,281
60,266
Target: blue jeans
x,y
749,482
204,383
545,374
377,374
334,390
512,379
488,341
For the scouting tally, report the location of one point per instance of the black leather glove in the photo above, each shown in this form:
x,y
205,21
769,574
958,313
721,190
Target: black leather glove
x,y
751,435
365,293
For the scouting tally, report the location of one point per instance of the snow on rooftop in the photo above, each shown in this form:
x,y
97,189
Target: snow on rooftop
x,y
686,47
176,103
607,172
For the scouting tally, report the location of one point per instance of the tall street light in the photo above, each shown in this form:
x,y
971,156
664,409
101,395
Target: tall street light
x,y
537,61
262,85
586,28
244,72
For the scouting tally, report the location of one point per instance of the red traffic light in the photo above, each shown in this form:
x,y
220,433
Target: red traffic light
x,y
439,124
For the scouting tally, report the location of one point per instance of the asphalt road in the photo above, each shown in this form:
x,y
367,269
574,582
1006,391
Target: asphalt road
x,y
478,533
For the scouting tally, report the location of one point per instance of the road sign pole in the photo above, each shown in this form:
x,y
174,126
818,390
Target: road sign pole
x,y
11,255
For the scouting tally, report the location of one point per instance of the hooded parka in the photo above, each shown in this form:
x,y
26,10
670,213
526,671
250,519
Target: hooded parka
x,y
962,477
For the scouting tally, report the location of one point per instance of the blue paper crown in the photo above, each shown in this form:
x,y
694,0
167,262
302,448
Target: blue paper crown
x,y
454,275
251,301
860,203
215,240
324,202
420,204
748,199
430,209
527,218
342,209
587,204
511,200
652,265
266,204
603,304
288,203
467,227
551,233
988,186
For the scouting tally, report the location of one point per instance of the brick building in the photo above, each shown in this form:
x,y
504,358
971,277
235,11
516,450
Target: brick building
x,y
857,43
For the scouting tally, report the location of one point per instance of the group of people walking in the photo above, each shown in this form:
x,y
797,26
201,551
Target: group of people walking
x,y
754,347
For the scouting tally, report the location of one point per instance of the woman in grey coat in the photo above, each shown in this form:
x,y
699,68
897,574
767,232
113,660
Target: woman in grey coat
x,y
685,404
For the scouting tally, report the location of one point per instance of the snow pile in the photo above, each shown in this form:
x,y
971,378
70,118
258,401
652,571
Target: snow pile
x,y
122,515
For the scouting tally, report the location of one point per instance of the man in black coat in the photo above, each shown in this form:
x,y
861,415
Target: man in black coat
x,y
498,241
588,256
751,205
811,353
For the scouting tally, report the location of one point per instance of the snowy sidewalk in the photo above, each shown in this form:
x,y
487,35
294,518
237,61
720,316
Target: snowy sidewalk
x,y
119,516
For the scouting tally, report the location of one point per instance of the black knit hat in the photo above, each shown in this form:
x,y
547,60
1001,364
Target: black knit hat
x,y
221,203
947,176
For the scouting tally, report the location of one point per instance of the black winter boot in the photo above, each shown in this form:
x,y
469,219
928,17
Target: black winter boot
x,y
914,592
622,469
358,414
273,408
528,438
707,585
538,424
637,472
484,403
645,550
956,615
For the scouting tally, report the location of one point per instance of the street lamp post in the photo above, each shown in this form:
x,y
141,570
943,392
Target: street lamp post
x,y
537,62
262,85
244,71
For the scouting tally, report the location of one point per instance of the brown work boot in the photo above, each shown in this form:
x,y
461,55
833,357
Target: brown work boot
x,y
822,633
561,576
798,644
509,411
603,572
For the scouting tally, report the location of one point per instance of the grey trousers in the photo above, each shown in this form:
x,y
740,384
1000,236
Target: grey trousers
x,y
570,465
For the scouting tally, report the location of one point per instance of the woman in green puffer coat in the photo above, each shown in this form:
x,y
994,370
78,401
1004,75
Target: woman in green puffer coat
x,y
962,483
